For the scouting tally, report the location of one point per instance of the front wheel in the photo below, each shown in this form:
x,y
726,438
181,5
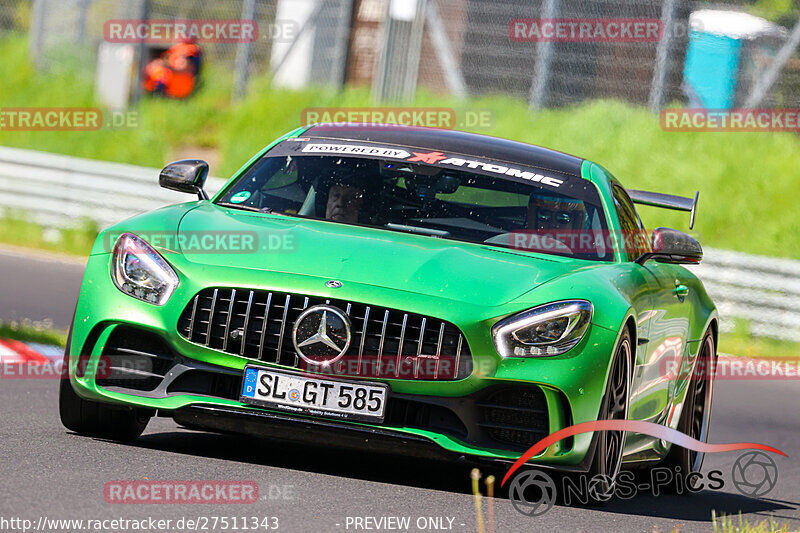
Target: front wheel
x,y
696,411
96,419
607,460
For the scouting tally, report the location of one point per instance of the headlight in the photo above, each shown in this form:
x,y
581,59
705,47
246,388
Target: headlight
x,y
549,329
139,271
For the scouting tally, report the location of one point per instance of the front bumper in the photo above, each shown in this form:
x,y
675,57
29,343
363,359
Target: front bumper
x,y
294,430
199,378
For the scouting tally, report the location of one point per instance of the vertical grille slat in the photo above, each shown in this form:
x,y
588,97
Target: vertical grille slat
x,y
246,322
283,328
419,346
363,337
412,342
264,328
297,357
458,355
211,317
228,321
439,350
400,347
194,315
383,338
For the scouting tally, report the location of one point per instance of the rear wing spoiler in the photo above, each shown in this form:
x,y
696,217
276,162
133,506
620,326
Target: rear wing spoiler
x,y
667,201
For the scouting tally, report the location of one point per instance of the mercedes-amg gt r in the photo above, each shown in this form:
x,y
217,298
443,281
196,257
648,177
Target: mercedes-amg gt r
x,y
406,290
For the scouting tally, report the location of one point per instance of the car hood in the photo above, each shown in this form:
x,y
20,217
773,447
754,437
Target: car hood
x,y
406,262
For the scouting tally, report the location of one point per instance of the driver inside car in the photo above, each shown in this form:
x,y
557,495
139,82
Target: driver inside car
x,y
344,203
550,211
351,189
556,219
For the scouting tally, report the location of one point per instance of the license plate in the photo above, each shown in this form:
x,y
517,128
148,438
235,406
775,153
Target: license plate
x,y
296,393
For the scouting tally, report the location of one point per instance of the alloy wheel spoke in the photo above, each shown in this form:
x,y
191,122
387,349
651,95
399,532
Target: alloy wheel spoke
x,y
614,447
699,385
618,407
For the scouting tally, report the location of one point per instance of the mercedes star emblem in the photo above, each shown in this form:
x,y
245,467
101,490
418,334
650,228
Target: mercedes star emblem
x,y
321,334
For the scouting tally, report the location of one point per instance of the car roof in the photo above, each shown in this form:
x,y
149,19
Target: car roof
x,y
472,144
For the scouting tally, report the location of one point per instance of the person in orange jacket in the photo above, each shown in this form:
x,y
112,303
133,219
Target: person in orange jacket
x,y
174,73
157,77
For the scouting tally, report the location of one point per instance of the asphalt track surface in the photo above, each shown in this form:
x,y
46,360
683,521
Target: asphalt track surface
x,y
46,471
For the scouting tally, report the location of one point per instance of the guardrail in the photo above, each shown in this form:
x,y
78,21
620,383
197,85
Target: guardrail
x,y
764,291
57,190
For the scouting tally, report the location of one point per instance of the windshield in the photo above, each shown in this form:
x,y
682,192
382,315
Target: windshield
x,y
464,205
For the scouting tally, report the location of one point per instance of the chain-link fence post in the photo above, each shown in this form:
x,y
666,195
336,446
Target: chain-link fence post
x,y
657,87
544,54
341,43
444,51
83,8
36,37
241,70
398,62
144,14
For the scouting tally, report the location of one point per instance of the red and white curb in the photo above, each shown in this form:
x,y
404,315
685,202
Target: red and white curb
x,y
21,359
19,352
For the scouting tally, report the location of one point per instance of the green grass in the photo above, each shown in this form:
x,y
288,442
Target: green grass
x,y
739,342
783,12
744,345
15,229
729,524
28,331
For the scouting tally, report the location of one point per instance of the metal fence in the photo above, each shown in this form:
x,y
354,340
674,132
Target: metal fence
x,y
764,292
550,74
453,47
300,42
553,74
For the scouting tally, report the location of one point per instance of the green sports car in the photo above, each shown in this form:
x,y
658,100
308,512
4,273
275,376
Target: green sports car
x,y
405,290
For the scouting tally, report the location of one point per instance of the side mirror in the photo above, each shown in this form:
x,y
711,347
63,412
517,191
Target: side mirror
x,y
673,246
188,175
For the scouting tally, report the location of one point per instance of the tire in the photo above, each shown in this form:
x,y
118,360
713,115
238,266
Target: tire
x,y
696,413
607,461
95,419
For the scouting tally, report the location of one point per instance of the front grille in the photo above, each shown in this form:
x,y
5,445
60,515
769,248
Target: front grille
x,y
516,416
386,343
133,359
